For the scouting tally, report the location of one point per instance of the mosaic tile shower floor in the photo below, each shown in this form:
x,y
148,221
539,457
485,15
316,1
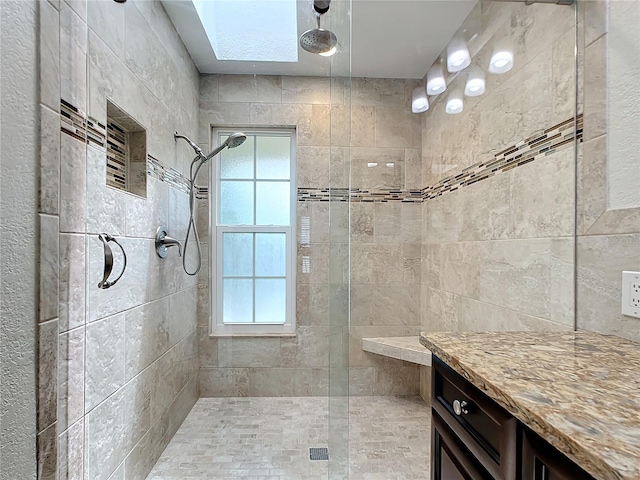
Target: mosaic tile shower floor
x,y
269,439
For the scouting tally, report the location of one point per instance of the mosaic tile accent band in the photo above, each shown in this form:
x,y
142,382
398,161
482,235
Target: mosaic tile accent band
x,y
75,123
541,144
116,156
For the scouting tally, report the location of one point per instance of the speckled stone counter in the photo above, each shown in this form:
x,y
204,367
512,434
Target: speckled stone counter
x,y
580,391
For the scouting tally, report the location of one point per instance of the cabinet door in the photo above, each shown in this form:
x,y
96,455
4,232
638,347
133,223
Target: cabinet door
x,y
451,460
487,430
541,461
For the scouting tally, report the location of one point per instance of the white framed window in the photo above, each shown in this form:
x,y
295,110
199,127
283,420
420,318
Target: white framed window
x,y
253,243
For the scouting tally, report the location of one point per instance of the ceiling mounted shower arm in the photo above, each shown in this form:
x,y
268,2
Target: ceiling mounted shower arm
x,y
321,6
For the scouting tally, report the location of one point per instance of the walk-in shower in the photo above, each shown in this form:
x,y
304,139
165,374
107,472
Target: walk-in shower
x,y
234,140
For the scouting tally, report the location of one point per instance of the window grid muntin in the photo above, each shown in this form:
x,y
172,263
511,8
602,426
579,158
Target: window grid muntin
x,y
288,326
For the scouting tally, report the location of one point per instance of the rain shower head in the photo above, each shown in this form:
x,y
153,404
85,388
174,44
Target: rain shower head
x,y
318,40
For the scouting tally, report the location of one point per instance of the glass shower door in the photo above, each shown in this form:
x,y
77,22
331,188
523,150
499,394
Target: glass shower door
x,y
339,189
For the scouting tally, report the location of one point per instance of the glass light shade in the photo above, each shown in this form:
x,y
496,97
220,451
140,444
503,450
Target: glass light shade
x,y
455,104
458,56
475,83
436,83
501,62
419,100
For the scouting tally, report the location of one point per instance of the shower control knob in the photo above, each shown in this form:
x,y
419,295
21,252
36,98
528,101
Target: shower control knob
x,y
460,407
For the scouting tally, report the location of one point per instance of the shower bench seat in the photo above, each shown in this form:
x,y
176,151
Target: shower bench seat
x,y
408,349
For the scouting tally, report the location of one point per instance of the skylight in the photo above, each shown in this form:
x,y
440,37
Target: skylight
x,y
251,30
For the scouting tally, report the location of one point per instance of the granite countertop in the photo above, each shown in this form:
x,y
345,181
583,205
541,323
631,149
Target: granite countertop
x,y
579,390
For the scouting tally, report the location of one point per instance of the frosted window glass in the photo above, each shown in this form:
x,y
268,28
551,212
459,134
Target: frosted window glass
x,y
237,303
236,203
237,162
271,299
271,254
273,203
273,158
237,254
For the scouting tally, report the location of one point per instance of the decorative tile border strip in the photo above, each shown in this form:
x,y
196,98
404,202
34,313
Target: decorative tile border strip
x,y
76,124
537,146
157,170
358,195
116,156
541,144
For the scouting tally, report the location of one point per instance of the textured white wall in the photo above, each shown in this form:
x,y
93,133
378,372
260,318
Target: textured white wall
x,y
624,98
18,189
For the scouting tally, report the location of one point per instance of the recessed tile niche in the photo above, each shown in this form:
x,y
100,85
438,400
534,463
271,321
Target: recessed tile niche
x,y
126,152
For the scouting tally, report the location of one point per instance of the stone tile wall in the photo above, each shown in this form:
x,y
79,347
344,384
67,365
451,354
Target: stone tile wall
x,y
373,116
498,254
118,367
608,239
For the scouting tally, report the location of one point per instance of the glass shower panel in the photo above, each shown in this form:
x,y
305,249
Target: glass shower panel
x,y
339,241
608,206
499,157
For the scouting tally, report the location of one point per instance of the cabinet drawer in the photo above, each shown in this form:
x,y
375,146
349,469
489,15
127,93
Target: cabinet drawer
x,y
451,460
487,430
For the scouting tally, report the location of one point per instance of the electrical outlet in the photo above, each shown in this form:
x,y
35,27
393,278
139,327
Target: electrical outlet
x,y
634,299
631,294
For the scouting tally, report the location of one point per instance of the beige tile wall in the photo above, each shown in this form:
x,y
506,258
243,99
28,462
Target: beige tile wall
x,y
608,240
385,271
118,367
536,94
498,254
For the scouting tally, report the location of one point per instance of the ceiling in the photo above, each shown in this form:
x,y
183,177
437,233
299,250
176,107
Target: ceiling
x,y
389,38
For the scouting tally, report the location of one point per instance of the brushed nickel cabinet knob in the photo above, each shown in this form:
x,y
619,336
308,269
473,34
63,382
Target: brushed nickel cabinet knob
x,y
460,407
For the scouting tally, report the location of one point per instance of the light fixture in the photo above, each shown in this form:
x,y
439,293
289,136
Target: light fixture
x,y
501,61
436,83
458,56
475,82
328,53
419,100
455,104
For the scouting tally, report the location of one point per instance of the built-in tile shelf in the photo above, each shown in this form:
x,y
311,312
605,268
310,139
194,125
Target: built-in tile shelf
x,y
408,349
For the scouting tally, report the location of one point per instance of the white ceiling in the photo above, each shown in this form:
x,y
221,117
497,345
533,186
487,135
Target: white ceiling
x,y
389,38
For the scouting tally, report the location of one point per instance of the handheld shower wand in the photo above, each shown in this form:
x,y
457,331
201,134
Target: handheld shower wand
x,y
234,140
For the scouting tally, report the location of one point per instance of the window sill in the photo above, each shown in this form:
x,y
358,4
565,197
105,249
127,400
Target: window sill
x,y
247,334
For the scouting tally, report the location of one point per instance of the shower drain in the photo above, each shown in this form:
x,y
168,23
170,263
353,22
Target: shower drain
x,y
319,453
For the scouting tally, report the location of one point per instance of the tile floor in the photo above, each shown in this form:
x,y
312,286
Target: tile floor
x,y
269,439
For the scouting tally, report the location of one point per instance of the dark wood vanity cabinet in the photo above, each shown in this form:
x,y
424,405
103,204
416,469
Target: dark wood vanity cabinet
x,y
473,438
540,461
451,459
